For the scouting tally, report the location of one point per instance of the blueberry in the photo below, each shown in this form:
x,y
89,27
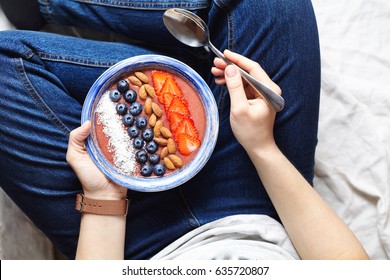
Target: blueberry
x,y
121,108
147,135
141,122
146,170
128,120
159,169
135,109
152,147
141,156
114,95
130,96
154,159
138,143
122,86
133,132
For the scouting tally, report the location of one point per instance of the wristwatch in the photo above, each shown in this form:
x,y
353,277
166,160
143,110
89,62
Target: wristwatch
x,y
101,207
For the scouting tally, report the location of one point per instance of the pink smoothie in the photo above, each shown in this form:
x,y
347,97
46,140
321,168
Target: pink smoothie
x,y
111,134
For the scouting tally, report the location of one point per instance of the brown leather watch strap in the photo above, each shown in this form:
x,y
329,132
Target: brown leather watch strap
x,y
101,207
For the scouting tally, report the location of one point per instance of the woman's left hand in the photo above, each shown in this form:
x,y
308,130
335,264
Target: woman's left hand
x,y
95,184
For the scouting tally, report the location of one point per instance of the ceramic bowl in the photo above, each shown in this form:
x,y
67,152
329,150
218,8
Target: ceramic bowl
x,y
140,63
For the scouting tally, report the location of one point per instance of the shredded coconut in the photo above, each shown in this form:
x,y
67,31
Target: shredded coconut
x,y
119,143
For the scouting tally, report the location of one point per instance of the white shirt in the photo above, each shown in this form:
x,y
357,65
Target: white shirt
x,y
238,237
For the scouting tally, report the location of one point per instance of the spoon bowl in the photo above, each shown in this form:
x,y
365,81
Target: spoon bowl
x,y
191,30
185,29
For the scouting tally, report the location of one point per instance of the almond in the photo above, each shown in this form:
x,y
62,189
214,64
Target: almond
x,y
150,90
168,163
152,120
148,106
156,129
166,133
142,77
160,141
135,81
176,161
171,145
164,153
157,110
142,93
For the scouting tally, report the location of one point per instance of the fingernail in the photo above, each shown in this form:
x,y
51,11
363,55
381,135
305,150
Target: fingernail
x,y
231,71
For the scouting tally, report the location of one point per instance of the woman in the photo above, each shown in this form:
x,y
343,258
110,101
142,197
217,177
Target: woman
x,y
314,229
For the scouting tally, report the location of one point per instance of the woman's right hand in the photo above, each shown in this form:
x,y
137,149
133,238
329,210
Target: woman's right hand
x,y
251,118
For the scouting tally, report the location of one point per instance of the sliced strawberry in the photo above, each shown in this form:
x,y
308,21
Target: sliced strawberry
x,y
160,98
178,105
174,120
171,86
159,79
186,144
186,126
167,99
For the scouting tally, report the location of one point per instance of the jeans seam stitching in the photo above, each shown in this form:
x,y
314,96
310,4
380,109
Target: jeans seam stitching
x,y
230,33
41,104
231,29
140,5
75,60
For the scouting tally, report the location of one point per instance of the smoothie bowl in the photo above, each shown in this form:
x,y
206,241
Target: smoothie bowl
x,y
154,123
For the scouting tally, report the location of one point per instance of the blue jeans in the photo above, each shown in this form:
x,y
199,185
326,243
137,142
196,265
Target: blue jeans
x,y
45,77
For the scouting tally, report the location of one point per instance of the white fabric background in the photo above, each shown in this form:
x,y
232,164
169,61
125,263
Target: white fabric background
x,y
353,156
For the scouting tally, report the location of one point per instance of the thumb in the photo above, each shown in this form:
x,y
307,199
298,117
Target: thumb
x,y
235,86
77,136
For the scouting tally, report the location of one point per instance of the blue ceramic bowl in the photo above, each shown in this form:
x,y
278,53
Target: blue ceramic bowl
x,y
140,63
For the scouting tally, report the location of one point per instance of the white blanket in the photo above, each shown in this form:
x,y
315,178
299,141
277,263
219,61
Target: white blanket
x,y
353,156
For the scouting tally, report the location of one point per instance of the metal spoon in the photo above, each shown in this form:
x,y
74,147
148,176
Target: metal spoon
x,y
191,30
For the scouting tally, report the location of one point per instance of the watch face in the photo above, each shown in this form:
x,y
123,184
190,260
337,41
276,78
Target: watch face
x,y
154,123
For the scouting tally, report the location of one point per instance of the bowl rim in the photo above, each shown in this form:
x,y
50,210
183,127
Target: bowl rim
x,y
167,182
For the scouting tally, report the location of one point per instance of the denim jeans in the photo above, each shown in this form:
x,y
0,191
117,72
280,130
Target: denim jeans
x,y
45,77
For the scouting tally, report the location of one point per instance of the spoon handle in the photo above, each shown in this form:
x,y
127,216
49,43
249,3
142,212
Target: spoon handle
x,y
274,100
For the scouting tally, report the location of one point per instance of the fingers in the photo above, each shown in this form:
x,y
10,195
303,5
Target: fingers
x,y
77,138
253,68
248,65
245,63
236,89
220,63
218,71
